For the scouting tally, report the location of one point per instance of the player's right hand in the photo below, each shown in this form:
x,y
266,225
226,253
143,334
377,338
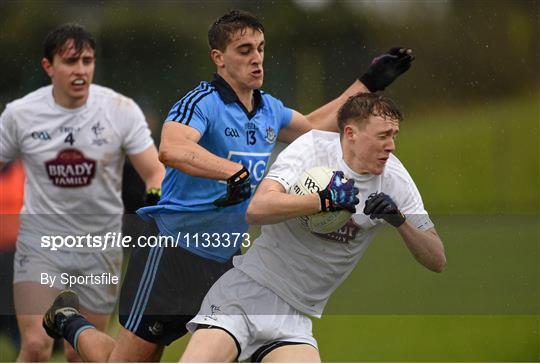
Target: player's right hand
x,y
238,189
385,68
339,195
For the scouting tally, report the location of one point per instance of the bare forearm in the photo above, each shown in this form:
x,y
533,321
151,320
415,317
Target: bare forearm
x,y
426,246
147,165
197,161
274,207
325,117
154,180
179,149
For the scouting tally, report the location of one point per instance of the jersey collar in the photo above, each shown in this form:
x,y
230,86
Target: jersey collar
x,y
228,95
54,105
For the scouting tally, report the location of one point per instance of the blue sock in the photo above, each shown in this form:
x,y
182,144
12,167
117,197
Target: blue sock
x,y
73,326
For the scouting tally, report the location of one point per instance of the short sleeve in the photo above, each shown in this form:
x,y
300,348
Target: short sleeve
x,y
194,109
137,134
9,145
403,190
196,117
283,114
292,162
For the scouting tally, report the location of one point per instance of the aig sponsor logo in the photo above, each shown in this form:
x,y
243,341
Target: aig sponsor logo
x,y
255,163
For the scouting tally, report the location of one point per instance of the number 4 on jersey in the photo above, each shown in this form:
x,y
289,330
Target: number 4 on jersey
x,y
69,139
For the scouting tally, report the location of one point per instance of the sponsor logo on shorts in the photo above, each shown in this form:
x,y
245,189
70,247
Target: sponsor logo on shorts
x,y
70,169
344,235
23,259
156,329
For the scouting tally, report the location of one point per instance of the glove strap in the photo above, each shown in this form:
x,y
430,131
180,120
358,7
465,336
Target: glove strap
x,y
239,176
400,220
326,203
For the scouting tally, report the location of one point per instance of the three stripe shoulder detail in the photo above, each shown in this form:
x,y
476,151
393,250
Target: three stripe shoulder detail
x,y
186,106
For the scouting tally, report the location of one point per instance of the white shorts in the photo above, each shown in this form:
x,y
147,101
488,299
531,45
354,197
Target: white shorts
x,y
253,314
91,272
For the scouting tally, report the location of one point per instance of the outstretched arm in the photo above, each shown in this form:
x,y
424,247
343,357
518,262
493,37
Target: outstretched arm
x,y
324,118
383,70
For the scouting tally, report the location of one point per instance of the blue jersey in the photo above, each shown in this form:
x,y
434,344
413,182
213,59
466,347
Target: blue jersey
x,y
186,211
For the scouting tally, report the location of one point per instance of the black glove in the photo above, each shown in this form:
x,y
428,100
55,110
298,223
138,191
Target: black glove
x,y
238,189
381,206
152,196
385,68
339,195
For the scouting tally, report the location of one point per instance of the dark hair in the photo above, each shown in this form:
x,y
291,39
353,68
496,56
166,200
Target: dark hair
x,y
58,37
222,29
358,108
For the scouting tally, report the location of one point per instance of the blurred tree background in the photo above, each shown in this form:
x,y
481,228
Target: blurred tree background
x,y
469,55
470,139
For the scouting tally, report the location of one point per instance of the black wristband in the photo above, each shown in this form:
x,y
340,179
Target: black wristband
x,y
368,81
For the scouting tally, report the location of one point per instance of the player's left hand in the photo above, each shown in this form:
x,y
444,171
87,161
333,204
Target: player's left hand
x,y
381,206
385,68
152,196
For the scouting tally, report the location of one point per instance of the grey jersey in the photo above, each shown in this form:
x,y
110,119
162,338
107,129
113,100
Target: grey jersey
x,y
305,268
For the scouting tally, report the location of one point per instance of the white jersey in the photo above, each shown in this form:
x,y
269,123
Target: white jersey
x,y
305,268
73,158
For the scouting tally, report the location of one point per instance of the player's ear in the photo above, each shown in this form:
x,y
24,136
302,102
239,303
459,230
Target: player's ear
x,y
47,66
217,58
349,131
